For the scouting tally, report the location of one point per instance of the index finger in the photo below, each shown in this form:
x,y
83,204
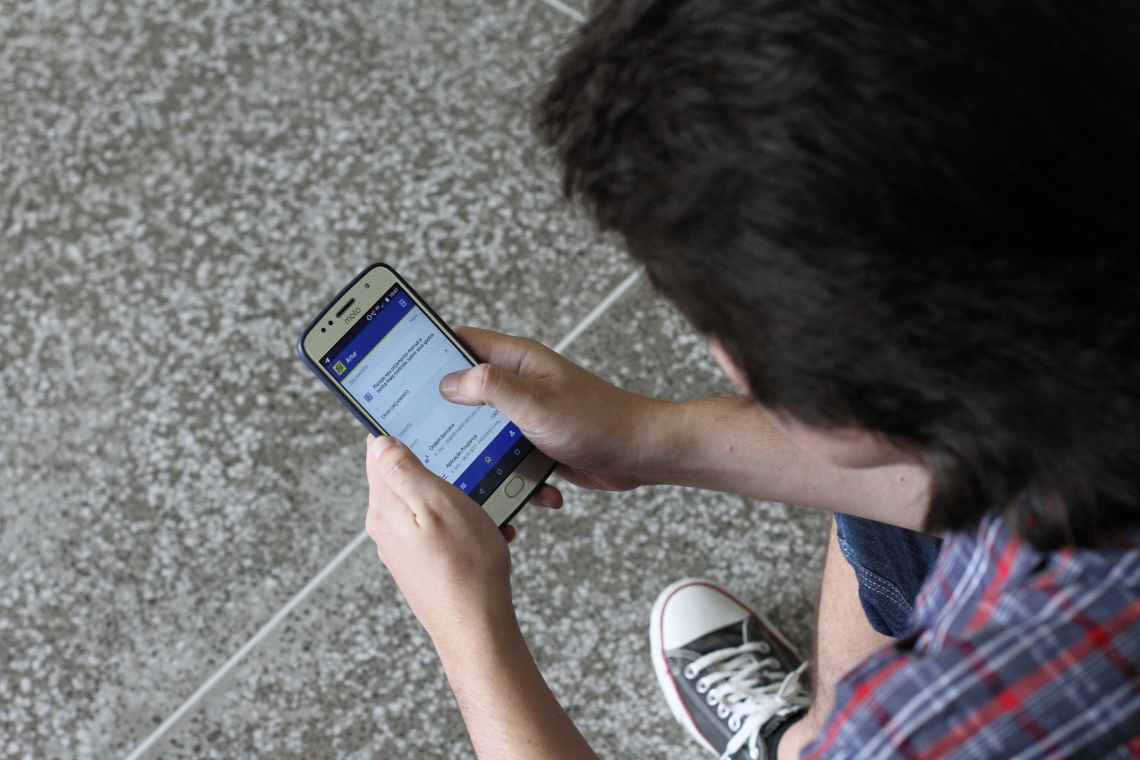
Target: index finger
x,y
400,473
384,505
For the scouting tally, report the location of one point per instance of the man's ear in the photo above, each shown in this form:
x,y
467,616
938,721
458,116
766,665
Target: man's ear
x,y
725,362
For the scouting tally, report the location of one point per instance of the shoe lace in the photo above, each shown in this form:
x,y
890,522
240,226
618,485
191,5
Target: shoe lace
x,y
747,690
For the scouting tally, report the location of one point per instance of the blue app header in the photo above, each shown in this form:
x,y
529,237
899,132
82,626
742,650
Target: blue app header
x,y
376,323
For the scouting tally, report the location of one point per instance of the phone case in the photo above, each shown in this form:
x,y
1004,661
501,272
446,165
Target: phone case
x,y
328,382
315,369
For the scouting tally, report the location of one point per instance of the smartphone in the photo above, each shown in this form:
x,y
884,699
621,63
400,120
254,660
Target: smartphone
x,y
382,351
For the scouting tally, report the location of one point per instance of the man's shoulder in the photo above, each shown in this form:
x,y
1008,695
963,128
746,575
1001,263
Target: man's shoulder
x,y
991,578
1007,610
1013,649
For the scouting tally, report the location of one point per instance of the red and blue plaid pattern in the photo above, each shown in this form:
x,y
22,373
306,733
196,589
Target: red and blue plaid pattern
x,y
1014,654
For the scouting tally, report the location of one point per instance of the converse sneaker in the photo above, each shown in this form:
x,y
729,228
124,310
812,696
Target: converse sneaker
x,y
730,679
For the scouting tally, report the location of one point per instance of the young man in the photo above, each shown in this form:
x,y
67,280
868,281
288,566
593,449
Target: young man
x,y
911,233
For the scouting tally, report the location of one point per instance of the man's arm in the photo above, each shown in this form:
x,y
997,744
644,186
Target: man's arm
x,y
732,445
609,438
508,708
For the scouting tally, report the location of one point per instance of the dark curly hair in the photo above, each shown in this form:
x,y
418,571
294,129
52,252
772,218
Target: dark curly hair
x,y
920,218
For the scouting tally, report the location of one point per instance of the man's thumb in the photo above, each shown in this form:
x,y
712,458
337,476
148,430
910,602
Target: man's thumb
x,y
485,384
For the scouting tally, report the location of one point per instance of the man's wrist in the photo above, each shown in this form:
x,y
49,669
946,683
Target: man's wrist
x,y
509,710
489,656
709,443
480,633
671,442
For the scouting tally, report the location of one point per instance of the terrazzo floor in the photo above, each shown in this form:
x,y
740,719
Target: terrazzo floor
x,y
182,185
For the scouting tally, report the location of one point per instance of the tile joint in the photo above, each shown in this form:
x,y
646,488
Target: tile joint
x,y
562,7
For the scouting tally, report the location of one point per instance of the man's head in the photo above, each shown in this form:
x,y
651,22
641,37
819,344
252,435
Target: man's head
x,y
919,219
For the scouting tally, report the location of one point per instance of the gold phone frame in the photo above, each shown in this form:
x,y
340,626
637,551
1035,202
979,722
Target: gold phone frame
x,y
328,329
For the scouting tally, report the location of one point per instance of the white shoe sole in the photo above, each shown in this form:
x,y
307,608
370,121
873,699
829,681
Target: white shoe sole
x,y
661,666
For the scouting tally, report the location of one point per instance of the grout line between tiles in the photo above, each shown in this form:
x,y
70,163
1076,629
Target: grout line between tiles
x,y
562,7
248,647
193,700
598,311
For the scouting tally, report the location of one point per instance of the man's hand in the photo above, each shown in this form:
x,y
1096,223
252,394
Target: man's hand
x,y
592,428
453,567
445,553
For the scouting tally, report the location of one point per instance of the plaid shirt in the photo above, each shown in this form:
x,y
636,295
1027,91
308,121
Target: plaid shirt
x,y
1014,654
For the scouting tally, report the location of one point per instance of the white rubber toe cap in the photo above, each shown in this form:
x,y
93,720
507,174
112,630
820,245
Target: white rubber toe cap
x,y
691,608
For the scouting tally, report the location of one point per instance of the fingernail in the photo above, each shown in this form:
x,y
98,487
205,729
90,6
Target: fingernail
x,y
449,385
382,443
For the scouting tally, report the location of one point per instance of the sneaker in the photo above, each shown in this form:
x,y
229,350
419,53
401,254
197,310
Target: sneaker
x,y
730,679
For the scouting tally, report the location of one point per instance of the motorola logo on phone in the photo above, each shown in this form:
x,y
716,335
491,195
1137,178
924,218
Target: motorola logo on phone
x,y
352,315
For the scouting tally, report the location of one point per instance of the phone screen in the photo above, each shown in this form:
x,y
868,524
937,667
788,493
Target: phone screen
x,y
391,362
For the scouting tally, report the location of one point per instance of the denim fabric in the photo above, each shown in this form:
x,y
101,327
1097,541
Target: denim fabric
x,y
891,564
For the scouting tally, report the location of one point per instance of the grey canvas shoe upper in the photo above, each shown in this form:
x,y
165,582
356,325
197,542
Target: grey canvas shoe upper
x,y
728,676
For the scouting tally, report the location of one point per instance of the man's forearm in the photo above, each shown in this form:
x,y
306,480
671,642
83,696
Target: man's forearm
x,y
732,445
509,710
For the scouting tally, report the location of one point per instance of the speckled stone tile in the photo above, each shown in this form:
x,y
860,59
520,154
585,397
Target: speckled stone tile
x,y
354,676
182,184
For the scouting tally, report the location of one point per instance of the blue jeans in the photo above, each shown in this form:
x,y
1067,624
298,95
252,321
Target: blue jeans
x,y
891,565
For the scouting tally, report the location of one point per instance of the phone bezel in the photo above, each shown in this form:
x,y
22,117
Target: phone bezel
x,y
312,344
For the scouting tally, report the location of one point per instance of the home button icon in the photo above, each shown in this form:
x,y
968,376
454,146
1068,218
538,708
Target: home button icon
x,y
514,487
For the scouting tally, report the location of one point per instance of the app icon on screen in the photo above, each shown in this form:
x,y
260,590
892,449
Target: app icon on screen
x,y
339,368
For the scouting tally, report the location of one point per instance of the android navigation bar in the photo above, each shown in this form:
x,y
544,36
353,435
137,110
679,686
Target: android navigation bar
x,y
502,469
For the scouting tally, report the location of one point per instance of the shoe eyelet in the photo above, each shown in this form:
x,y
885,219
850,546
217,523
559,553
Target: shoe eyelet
x,y
734,722
722,712
690,673
765,648
711,698
702,687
